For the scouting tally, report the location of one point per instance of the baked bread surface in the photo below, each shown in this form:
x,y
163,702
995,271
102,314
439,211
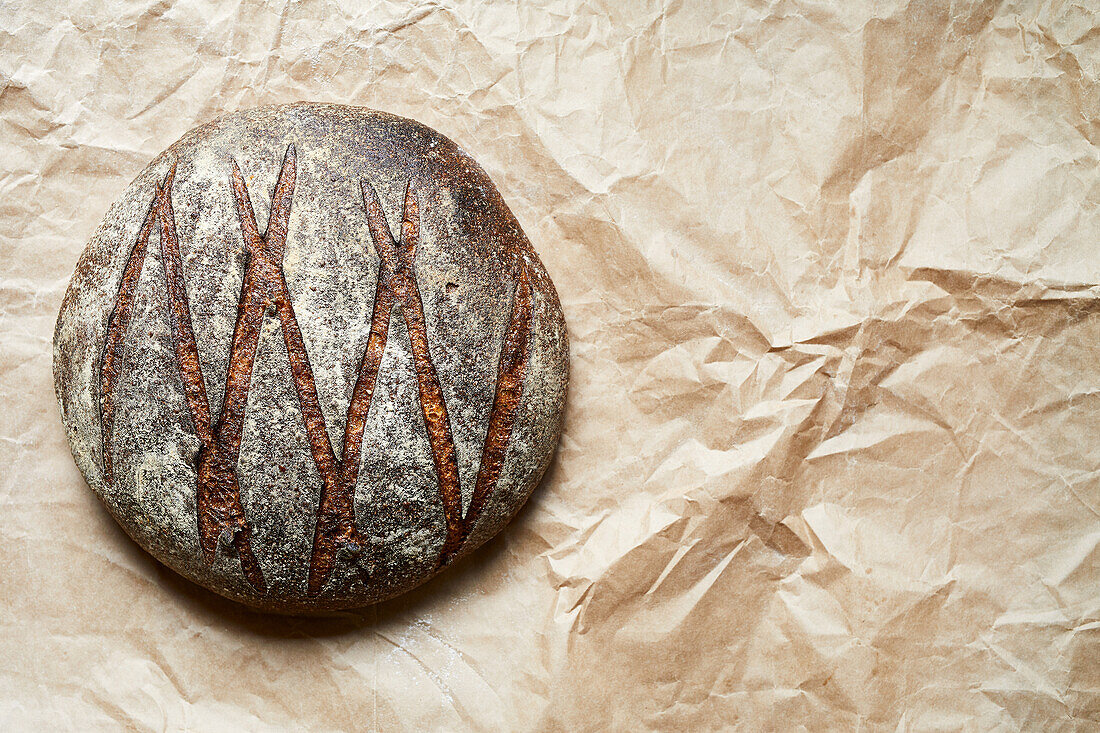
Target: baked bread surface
x,y
310,359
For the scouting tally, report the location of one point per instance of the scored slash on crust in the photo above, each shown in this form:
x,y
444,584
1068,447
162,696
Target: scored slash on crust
x,y
219,508
398,275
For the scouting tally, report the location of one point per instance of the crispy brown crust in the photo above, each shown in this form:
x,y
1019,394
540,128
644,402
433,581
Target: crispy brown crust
x,y
336,520
119,321
218,492
398,270
514,354
264,290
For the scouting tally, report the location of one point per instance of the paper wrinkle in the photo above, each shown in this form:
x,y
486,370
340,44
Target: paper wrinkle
x,y
829,458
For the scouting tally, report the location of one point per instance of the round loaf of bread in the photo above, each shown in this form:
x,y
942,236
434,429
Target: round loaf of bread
x,y
310,359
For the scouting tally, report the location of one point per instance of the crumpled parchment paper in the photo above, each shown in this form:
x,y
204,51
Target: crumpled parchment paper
x,y
832,277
